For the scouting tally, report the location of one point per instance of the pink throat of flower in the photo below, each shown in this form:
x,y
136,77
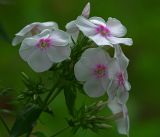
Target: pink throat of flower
x,y
100,71
120,78
44,43
103,30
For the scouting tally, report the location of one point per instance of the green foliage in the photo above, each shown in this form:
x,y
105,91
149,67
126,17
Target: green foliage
x,y
26,120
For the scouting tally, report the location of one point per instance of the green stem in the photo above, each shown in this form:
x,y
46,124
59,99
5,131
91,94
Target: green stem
x,y
60,132
5,125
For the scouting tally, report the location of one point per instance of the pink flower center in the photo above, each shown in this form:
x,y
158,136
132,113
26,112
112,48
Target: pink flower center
x,y
44,43
103,30
100,71
120,79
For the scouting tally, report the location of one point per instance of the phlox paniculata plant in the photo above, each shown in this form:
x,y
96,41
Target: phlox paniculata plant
x,y
79,62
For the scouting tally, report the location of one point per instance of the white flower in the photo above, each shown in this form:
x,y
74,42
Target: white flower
x,y
103,33
119,86
92,68
33,29
122,122
42,50
71,27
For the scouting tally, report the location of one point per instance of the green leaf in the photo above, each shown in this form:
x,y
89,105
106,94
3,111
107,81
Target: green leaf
x,y
70,98
39,134
25,121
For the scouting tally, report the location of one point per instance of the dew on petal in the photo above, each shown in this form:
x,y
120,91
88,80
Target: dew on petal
x,y
100,70
103,30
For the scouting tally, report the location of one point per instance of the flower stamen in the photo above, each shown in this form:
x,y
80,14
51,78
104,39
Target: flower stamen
x,y
100,71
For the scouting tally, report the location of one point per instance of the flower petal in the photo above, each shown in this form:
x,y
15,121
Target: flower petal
x,y
81,71
94,88
122,60
86,10
100,40
87,27
48,25
116,28
60,38
98,21
125,41
58,53
28,46
123,122
17,40
39,61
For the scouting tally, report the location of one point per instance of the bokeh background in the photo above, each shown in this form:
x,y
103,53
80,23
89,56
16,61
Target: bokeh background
x,y
141,17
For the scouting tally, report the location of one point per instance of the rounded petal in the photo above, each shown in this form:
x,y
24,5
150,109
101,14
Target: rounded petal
x,y
58,53
39,61
81,71
60,38
48,25
125,41
94,56
122,60
116,28
86,26
28,46
86,10
94,88
112,90
98,21
122,95
100,40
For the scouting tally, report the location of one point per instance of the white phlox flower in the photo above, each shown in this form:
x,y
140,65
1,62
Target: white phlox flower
x,y
42,50
123,121
118,75
103,33
32,30
92,69
71,27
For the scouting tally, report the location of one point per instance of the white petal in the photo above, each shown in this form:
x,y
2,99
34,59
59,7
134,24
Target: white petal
x,y
122,95
73,30
86,10
94,56
125,41
39,61
48,25
87,27
28,46
122,60
100,40
60,38
123,122
58,53
112,90
116,28
81,71
98,21
94,88
17,40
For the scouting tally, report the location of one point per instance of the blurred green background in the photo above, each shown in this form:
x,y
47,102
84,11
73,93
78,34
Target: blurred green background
x,y
141,17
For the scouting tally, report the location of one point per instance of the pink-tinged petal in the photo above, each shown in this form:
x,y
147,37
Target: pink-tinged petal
x,y
86,11
122,122
39,61
98,21
59,38
122,60
87,27
81,71
100,40
94,88
125,41
58,53
116,28
27,48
